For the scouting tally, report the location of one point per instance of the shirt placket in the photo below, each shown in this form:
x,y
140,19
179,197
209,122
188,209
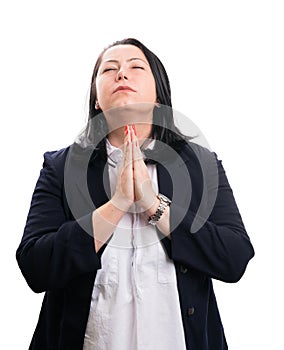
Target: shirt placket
x,y
137,295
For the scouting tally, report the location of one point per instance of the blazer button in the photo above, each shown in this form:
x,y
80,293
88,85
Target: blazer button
x,y
183,269
190,311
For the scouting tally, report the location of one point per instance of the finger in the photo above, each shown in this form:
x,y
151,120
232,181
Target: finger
x,y
127,135
127,154
133,134
136,152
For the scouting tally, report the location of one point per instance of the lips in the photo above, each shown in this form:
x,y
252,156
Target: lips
x,y
123,88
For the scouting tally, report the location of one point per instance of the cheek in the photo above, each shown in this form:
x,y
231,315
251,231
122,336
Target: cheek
x,y
100,90
150,90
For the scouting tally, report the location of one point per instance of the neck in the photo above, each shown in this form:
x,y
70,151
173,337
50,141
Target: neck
x,y
116,137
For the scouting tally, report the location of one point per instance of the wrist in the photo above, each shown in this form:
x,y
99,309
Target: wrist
x,y
164,203
151,210
121,204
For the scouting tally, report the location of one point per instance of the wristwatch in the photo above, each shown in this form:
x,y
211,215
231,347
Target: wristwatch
x,y
164,202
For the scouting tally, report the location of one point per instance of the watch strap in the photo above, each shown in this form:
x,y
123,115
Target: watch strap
x,y
164,203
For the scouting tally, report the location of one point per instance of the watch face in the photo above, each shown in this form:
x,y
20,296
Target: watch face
x,y
164,198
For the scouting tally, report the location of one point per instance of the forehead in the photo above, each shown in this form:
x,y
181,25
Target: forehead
x,y
123,52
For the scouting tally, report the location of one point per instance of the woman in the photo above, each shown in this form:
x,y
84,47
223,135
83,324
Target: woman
x,y
128,225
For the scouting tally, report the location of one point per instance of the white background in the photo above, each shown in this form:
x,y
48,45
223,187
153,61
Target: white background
x,y
225,62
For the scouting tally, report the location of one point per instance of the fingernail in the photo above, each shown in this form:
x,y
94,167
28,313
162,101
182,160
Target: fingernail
x,y
134,128
126,129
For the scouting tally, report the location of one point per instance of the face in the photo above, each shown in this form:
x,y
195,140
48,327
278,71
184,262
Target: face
x,y
124,77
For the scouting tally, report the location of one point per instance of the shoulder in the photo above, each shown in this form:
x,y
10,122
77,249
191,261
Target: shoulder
x,y
201,163
191,151
57,156
54,162
71,157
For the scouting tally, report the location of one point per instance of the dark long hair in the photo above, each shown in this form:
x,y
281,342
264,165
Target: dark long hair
x,y
163,129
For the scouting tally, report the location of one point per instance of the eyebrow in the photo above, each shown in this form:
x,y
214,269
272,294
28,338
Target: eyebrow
x,y
129,60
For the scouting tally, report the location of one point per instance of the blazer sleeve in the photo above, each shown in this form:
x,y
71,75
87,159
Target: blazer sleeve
x,y
54,250
220,248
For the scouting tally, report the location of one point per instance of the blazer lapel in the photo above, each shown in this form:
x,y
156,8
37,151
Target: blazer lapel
x,y
174,179
174,182
86,183
98,182
164,181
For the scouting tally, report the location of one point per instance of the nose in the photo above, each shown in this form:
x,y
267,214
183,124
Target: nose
x,y
121,75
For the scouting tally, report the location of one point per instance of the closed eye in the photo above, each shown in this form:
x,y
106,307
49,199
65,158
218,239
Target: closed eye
x,y
138,67
108,69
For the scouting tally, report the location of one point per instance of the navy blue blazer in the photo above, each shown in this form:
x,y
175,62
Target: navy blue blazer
x,y
57,254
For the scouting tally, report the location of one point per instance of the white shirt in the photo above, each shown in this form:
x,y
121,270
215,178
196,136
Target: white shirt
x,y
135,301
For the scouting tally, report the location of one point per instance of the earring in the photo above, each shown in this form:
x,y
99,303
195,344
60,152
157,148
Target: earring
x,y
97,106
157,103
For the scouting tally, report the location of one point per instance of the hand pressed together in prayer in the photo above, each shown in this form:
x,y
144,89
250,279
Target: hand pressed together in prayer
x,y
134,184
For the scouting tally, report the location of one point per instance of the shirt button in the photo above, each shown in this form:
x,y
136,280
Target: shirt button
x,y
190,311
183,269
